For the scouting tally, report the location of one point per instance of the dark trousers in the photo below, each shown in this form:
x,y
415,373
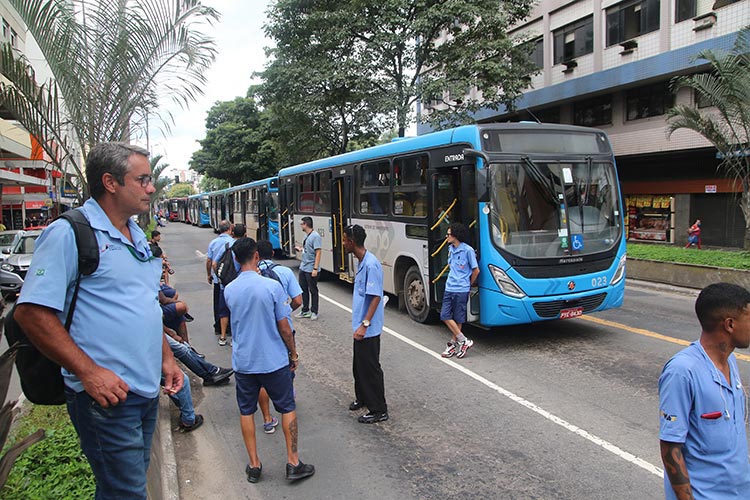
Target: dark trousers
x,y
217,302
368,375
309,287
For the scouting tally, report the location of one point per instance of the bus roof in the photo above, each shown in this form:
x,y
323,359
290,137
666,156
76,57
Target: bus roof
x,y
262,182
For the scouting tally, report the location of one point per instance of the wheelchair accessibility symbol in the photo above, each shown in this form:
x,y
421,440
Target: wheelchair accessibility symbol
x,y
576,241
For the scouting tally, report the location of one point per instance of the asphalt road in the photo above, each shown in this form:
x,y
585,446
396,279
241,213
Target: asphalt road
x,y
556,410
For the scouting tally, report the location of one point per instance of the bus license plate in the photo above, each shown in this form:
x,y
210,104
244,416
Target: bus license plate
x,y
571,313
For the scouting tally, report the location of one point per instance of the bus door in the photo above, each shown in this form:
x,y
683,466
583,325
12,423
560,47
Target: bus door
x,y
263,213
243,206
286,214
340,196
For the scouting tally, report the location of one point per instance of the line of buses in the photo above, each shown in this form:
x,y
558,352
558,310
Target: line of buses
x,y
542,203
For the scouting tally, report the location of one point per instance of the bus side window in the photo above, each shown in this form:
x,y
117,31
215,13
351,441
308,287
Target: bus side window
x,y
410,186
374,188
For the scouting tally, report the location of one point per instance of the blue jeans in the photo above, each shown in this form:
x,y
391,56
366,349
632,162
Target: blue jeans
x,y
116,441
187,356
184,401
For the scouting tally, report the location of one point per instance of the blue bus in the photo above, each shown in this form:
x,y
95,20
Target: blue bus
x,y
542,203
197,206
254,204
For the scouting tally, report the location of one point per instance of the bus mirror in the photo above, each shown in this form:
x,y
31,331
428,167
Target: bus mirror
x,y
474,153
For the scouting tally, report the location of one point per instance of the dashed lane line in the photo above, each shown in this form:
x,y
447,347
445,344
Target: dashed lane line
x,y
617,451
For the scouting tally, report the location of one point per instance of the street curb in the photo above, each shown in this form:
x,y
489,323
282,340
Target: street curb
x,y
684,275
162,483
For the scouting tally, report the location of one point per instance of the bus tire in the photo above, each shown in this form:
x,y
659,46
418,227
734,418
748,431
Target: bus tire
x,y
416,296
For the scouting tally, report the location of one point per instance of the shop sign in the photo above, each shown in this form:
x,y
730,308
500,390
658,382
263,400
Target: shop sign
x,y
69,192
710,188
31,205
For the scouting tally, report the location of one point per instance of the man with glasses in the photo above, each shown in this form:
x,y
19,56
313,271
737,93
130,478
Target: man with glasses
x,y
463,273
309,269
115,353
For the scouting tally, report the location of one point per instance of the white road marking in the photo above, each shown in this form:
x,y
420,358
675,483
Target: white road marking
x,y
629,457
200,254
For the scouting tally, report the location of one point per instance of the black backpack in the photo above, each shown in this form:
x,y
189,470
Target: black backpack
x,y
268,272
41,380
226,270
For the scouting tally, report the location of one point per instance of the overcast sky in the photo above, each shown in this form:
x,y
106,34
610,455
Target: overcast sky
x,y
240,42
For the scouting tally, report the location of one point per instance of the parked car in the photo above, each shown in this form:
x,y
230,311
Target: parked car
x,y
8,240
13,270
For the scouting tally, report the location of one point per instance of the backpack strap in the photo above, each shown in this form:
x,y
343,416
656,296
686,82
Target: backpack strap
x,y
88,253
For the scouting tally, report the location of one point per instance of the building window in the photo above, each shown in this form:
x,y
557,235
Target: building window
x,y
593,112
700,100
684,10
537,53
13,38
574,40
652,100
6,29
631,19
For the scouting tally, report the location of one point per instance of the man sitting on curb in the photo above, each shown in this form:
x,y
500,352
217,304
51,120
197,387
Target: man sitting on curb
x,y
210,373
183,399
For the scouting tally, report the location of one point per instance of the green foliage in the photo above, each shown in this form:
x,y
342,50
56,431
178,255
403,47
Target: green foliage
x,y
180,190
53,468
208,184
667,253
726,86
111,61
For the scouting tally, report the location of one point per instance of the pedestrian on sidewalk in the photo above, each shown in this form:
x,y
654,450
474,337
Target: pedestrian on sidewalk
x,y
462,275
367,324
263,355
694,235
702,403
285,276
309,270
216,247
114,354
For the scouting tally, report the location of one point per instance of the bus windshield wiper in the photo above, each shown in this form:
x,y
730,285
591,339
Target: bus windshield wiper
x,y
546,184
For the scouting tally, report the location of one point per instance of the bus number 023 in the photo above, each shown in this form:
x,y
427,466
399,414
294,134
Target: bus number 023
x,y
599,281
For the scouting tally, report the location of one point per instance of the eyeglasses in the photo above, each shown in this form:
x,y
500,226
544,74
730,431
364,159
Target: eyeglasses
x,y
145,180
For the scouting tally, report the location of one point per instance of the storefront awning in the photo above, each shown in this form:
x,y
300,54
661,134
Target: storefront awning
x,y
8,178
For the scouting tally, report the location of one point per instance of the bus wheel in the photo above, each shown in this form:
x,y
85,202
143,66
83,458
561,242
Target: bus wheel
x,y
415,296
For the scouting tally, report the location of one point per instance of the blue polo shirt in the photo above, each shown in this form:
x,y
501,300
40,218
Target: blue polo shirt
x,y
256,303
289,283
311,244
117,321
462,260
368,284
691,388
216,250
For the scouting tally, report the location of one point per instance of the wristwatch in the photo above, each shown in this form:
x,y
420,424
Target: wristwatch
x,y
366,323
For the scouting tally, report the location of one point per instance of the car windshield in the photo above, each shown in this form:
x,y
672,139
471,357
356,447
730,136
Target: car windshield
x,y
543,209
7,239
26,245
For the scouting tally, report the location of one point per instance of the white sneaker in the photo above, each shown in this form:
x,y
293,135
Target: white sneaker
x,y
313,317
463,347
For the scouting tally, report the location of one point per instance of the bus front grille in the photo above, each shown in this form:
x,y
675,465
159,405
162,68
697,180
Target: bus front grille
x,y
552,309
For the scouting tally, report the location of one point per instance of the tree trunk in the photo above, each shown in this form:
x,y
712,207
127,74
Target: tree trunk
x,y
745,207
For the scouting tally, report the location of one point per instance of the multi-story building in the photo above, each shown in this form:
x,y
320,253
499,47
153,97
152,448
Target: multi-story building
x,y
608,64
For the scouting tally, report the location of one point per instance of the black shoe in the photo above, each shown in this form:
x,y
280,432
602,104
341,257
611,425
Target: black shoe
x,y
188,318
356,405
220,377
189,428
371,418
253,473
299,471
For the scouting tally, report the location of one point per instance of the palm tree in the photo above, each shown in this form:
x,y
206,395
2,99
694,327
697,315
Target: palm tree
x,y
111,61
160,184
726,87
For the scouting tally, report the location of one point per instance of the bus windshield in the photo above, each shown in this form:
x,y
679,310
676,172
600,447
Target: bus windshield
x,y
554,208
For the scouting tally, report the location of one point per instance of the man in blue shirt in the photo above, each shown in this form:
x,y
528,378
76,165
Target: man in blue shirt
x,y
309,269
114,354
702,403
462,275
367,324
215,251
286,277
263,355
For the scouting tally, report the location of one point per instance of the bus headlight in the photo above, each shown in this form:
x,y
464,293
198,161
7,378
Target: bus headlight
x,y
620,272
507,286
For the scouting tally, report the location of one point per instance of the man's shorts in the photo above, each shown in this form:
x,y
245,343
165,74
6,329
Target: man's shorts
x,y
278,384
223,309
454,306
170,317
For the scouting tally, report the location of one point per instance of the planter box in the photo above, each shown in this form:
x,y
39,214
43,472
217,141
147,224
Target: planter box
x,y
687,275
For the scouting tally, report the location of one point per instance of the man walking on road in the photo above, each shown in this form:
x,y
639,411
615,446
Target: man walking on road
x,y
263,355
216,246
702,403
114,354
367,323
309,270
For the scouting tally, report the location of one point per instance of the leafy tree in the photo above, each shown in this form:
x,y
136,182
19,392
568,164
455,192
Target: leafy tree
x,y
180,190
110,61
208,184
382,55
235,148
726,87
